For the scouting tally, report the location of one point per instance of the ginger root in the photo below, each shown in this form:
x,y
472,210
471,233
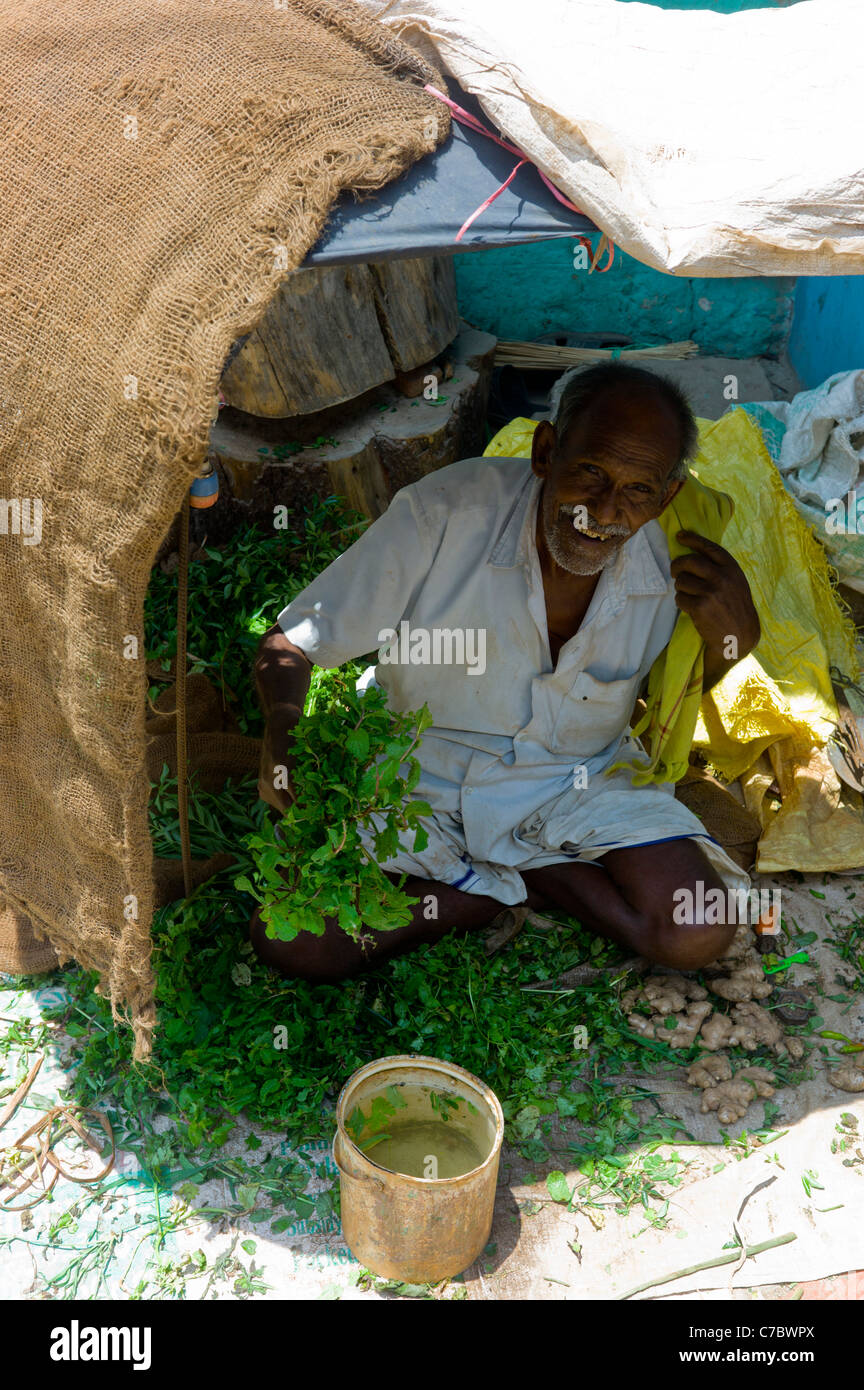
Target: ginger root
x,y
741,949
849,1077
746,982
753,1026
667,994
657,984
732,1099
738,975
761,1078
664,999
675,997
689,1024
671,997
716,1032
708,1071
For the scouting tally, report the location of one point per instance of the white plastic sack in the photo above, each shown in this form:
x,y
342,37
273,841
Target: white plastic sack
x,y
701,143
822,448
817,442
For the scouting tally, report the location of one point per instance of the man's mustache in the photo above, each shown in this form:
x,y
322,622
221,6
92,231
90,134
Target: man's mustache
x,y
582,520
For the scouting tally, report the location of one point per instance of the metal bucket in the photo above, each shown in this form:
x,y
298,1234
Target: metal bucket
x,y
418,1230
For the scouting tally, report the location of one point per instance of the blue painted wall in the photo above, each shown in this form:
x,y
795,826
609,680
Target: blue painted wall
x,y
524,291
828,327
724,6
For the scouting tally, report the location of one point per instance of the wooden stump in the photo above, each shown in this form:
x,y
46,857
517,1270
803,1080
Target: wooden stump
x,y
365,451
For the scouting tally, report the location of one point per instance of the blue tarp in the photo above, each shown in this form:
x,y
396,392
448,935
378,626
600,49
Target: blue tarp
x,y
420,213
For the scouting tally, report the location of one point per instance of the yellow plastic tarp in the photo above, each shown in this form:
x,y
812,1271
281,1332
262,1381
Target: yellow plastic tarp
x,y
773,712
676,678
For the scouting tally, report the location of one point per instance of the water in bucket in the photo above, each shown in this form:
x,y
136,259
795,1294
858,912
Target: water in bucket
x,y
422,1131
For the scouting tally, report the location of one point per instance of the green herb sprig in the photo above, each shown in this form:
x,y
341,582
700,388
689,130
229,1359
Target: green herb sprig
x,y
352,767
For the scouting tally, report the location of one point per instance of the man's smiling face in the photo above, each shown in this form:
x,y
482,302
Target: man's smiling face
x,y
608,476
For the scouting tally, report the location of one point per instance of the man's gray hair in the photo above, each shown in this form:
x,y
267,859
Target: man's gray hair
x,y
577,389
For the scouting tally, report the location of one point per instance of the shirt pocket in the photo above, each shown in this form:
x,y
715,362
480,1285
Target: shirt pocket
x,y
593,713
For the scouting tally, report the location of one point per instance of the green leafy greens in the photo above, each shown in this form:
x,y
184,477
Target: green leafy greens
x,y
352,767
236,593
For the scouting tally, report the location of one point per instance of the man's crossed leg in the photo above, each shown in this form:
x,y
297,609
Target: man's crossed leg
x,y
627,896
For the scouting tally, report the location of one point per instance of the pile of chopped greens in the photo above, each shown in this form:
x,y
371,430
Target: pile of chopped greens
x,y
234,1037
236,593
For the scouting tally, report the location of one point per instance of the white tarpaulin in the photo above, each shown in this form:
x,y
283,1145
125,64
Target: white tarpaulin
x,y
701,143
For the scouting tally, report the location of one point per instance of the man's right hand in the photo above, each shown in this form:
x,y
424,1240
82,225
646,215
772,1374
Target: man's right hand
x,y
282,676
274,775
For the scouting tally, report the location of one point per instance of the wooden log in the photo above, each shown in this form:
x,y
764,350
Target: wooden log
x,y
318,343
330,335
360,479
417,307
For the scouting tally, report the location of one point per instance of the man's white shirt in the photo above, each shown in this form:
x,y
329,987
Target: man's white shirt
x,y
457,551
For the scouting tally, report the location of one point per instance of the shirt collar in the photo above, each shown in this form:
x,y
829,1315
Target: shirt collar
x,y
633,571
507,551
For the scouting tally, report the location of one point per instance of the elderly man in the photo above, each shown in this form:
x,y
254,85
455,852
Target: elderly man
x,y
559,578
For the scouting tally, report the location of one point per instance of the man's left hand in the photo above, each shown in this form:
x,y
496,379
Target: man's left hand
x,y
711,586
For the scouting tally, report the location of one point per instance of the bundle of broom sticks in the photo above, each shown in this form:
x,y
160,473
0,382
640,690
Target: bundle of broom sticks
x,y
549,356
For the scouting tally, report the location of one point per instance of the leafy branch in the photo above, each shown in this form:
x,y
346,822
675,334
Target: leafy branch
x,y
353,768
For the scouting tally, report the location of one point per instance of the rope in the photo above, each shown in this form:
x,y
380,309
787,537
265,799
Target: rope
x,y
488,201
182,788
42,1157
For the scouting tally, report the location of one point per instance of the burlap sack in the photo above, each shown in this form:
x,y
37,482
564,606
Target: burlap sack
x,y
724,818
215,748
168,880
164,163
215,752
21,951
